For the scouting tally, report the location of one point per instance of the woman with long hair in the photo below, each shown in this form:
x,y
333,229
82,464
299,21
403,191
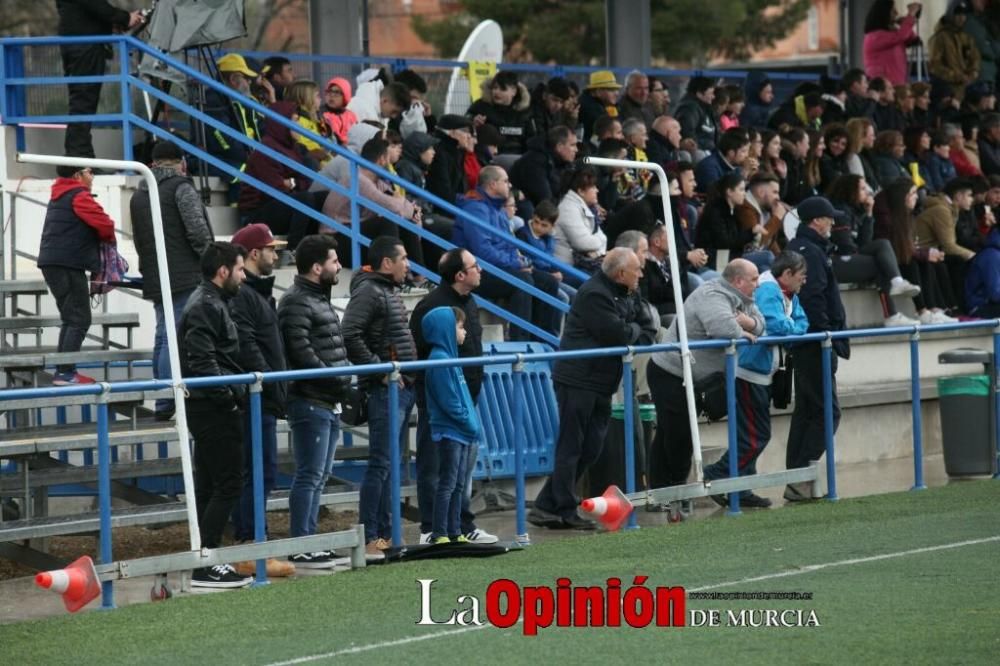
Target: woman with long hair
x,y
834,160
859,257
305,95
860,141
918,151
925,267
887,157
719,228
817,148
885,42
770,156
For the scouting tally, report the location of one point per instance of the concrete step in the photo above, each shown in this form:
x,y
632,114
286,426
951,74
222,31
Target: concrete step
x,y
22,287
104,319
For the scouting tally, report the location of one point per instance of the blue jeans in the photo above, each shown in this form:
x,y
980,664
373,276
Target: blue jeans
x,y
243,515
452,460
427,477
315,429
161,356
376,496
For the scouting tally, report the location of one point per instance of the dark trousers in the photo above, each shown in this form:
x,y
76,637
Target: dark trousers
x,y
806,440
243,515
957,268
928,277
218,466
670,454
282,219
427,476
522,304
753,431
875,262
82,60
583,425
452,461
71,289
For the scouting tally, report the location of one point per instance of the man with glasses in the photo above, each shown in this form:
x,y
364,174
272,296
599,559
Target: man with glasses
x,y
460,275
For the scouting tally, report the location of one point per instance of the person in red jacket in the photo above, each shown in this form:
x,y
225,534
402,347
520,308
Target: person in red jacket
x,y
75,227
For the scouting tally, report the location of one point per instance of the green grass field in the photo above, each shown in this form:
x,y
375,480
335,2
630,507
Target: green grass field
x,y
878,602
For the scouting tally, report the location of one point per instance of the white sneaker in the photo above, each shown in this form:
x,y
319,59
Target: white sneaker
x,y
900,319
425,537
928,317
904,288
481,536
941,318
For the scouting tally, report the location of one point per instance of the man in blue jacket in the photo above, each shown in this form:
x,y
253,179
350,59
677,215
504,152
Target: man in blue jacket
x,y
776,298
982,284
486,203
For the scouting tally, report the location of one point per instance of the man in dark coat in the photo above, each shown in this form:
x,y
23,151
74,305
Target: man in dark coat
x,y
538,172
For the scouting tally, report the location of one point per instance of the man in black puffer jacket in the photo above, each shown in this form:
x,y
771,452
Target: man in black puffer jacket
x,y
605,313
210,347
538,172
261,350
376,331
312,338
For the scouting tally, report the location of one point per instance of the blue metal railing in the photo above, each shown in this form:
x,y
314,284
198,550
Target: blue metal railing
x,y
255,380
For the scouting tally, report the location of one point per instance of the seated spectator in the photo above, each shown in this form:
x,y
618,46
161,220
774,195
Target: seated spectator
x,y
794,151
752,164
885,42
817,148
658,103
770,157
488,142
979,98
989,144
966,162
982,285
538,172
417,115
940,169
258,206
834,160
339,168
506,104
538,233
664,146
762,207
656,284
236,75
733,149
759,95
886,115
918,146
446,176
921,266
606,127
486,203
800,111
305,95
418,154
859,104
718,228
859,257
637,137
547,102
887,157
699,127
395,142
279,75
614,185
635,95
861,140
335,112
835,96
730,116
953,58
904,103
936,227
597,100
922,114
580,241
378,102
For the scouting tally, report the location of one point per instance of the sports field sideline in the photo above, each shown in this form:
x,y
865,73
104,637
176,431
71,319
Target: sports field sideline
x,y
908,577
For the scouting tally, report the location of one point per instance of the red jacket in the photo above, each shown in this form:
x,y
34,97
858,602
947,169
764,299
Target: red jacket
x,y
86,208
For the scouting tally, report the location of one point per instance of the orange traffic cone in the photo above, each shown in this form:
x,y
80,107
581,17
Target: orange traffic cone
x,y
77,583
611,509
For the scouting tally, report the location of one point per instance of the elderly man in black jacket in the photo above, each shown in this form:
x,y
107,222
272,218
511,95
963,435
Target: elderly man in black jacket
x,y
311,333
210,347
376,331
820,298
459,277
607,312
261,350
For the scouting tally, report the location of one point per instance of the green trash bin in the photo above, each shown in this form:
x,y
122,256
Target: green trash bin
x,y
966,406
609,469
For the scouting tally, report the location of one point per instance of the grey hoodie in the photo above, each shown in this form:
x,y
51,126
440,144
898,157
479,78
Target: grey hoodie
x,y
339,168
710,314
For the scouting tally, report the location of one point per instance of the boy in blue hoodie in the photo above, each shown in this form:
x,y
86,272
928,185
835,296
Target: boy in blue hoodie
x,y
454,424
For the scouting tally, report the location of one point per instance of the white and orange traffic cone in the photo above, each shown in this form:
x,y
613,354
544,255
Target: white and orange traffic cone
x,y
77,583
611,509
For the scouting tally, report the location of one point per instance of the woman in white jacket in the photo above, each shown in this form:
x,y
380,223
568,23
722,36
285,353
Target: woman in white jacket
x,y
580,241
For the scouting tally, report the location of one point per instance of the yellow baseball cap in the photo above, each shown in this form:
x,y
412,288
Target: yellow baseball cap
x,y
234,62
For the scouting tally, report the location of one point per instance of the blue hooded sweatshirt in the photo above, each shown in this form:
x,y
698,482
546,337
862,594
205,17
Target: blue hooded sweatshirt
x,y
452,412
982,283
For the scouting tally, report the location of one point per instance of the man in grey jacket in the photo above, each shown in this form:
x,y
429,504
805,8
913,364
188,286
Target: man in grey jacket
x,y
720,309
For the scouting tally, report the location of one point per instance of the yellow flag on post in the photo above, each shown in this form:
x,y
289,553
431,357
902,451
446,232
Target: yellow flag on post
x,y
479,72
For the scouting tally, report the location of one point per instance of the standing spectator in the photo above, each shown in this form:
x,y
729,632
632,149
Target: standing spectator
x,y
722,308
313,338
539,171
699,126
633,100
598,100
261,350
95,17
74,229
820,298
885,43
277,70
376,331
538,233
338,117
460,276
776,297
453,423
977,27
210,348
954,59
759,95
602,315
186,232
507,106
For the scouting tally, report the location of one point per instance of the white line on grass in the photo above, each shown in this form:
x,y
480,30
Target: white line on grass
x,y
809,568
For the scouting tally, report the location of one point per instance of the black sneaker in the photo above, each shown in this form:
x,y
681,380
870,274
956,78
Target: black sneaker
x,y
322,559
220,577
753,501
576,522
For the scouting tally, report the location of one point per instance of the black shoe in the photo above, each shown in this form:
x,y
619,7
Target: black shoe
x,y
541,518
576,522
221,576
321,559
753,501
721,500
164,415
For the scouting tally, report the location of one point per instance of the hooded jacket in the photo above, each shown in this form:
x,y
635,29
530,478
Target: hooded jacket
x,y
783,315
375,323
449,404
514,122
494,248
445,295
982,284
755,113
366,103
935,227
278,138
75,226
340,121
410,167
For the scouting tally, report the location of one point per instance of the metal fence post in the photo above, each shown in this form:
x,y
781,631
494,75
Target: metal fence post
x,y
521,524
394,455
355,218
734,470
995,379
123,65
628,384
257,451
104,490
831,469
918,428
